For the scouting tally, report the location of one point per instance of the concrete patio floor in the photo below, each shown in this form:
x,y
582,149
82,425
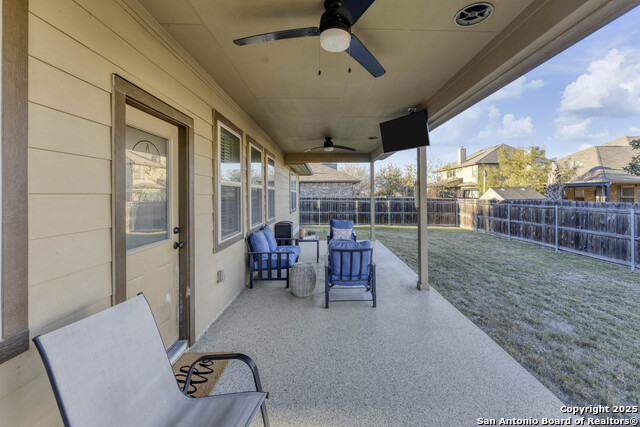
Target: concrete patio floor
x,y
413,360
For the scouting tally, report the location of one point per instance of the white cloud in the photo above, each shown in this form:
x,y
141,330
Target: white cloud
x,y
634,129
515,89
610,88
584,147
515,128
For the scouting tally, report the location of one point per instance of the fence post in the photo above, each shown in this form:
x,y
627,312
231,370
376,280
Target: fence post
x,y
319,213
509,219
356,207
476,221
633,239
557,227
388,211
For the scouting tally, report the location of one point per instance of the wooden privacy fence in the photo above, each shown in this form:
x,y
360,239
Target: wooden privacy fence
x,y
607,231
389,211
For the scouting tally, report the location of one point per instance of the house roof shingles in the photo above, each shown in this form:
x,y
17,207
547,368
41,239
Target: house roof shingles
x,y
324,173
485,156
604,163
511,193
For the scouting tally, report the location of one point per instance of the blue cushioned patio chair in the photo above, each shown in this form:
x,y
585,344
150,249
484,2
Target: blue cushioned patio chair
x,y
267,260
111,369
342,224
349,265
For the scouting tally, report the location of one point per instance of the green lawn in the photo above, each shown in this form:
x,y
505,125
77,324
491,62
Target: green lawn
x,y
572,321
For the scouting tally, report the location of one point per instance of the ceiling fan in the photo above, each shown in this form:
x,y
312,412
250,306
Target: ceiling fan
x,y
329,146
334,31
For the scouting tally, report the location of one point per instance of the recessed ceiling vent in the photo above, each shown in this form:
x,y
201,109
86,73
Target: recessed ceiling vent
x,y
473,14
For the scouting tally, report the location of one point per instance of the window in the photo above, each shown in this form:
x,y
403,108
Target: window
x,y
271,188
256,182
229,183
578,194
293,185
474,171
627,194
451,173
147,169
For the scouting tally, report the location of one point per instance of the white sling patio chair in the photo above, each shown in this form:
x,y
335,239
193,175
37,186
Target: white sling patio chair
x,y
111,369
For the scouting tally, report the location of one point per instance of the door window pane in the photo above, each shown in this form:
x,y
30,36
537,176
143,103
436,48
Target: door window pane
x,y
147,169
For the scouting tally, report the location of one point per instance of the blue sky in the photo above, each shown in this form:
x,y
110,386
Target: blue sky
x,y
587,95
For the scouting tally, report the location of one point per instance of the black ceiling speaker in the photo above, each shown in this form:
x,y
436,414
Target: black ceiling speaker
x,y
405,132
334,31
329,146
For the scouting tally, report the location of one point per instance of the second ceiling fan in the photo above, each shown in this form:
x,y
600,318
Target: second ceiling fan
x,y
329,146
334,31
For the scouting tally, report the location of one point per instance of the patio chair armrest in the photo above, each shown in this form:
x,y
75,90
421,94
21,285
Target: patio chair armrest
x,y
226,356
266,253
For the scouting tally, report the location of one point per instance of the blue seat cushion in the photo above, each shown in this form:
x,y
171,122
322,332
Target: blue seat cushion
x,y
341,223
286,260
343,272
268,233
259,242
289,248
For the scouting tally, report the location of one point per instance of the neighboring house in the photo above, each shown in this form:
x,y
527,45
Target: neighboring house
x,y
327,181
460,178
511,193
600,177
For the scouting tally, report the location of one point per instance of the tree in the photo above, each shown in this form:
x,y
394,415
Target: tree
x,y
634,165
360,172
389,181
521,168
409,177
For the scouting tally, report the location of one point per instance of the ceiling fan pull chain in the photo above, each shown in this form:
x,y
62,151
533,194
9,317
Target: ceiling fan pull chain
x,y
319,68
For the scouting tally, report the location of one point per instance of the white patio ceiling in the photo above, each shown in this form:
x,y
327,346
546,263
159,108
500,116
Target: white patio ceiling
x,y
430,61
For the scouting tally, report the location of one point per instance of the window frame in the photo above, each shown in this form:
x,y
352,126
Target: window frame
x,y
219,243
14,323
575,195
293,178
268,188
621,196
252,144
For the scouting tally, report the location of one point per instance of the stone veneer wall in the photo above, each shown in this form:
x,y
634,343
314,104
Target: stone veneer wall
x,y
337,190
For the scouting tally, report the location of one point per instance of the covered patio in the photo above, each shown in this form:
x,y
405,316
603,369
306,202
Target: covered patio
x,y
86,81
413,360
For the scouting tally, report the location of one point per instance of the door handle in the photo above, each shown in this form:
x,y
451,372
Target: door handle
x,y
177,245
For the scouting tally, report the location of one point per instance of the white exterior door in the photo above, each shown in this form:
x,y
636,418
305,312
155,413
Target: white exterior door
x,y
151,217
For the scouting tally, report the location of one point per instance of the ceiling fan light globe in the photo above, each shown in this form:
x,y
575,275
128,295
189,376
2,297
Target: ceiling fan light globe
x,y
328,148
335,40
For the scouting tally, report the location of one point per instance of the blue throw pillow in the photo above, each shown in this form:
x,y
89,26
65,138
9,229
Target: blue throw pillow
x,y
259,242
270,238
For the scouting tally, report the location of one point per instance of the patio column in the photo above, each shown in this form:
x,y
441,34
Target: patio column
x,y
423,263
372,198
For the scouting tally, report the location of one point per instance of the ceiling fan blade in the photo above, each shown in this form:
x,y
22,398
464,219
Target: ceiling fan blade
x,y
344,148
360,53
278,35
354,9
311,149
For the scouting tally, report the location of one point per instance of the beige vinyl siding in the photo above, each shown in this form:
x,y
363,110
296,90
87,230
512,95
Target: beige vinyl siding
x,y
75,47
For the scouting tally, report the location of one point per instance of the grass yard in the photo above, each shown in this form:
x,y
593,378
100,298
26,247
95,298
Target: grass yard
x,y
572,321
